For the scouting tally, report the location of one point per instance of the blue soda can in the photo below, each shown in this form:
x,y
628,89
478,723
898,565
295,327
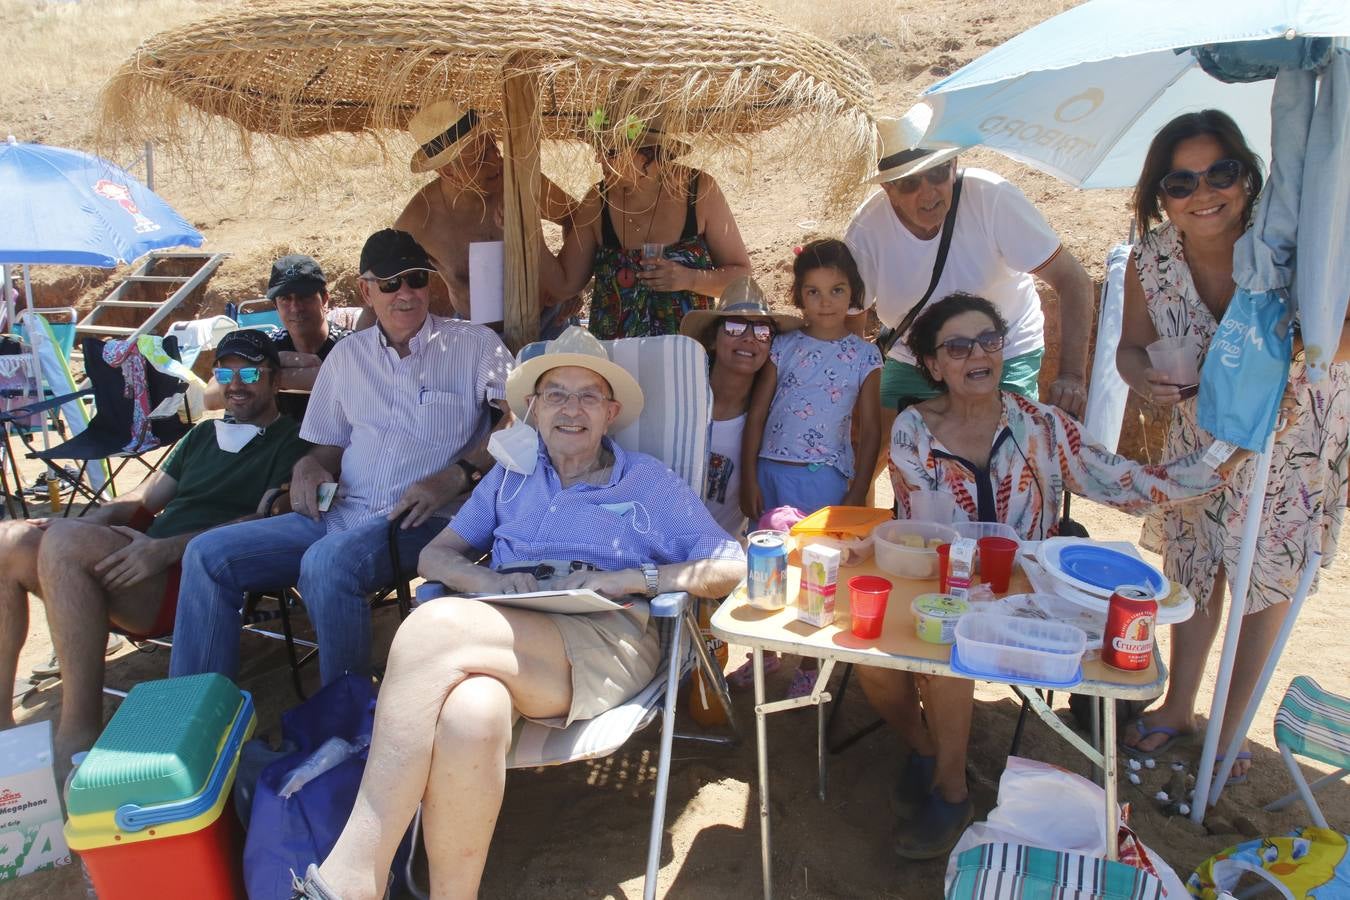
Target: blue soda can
x,y
766,564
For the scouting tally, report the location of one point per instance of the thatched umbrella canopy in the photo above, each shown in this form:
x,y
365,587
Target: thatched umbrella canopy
x,y
711,69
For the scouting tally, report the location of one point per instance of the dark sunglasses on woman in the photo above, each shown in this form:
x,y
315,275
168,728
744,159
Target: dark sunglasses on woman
x,y
990,341
762,331
934,176
416,279
1183,182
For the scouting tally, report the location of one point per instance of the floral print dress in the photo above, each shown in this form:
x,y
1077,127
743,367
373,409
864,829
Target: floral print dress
x,y
1306,495
1038,453
621,305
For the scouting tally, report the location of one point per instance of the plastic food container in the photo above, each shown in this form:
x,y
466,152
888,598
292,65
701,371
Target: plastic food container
x,y
150,810
1011,647
936,615
907,547
977,530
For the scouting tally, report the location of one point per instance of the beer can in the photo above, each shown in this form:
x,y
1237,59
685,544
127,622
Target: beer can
x,y
766,569
1128,641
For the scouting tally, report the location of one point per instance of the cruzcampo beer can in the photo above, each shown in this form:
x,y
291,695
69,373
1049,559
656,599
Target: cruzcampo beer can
x,y
766,569
1128,641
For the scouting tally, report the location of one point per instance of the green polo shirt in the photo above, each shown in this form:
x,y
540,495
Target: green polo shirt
x,y
215,487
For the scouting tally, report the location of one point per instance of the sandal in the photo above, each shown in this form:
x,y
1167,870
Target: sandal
x,y
802,684
1243,756
744,676
1141,727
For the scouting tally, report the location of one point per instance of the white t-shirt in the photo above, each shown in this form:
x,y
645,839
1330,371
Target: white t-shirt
x,y
722,492
1000,237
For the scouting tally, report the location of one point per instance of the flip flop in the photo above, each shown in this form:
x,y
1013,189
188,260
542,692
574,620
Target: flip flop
x,y
1145,731
1239,779
744,676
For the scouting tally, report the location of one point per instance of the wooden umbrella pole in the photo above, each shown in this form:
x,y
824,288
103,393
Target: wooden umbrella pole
x,y
522,233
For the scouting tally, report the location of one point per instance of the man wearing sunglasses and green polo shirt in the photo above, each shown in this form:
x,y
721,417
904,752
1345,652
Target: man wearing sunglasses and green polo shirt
x,y
999,245
399,417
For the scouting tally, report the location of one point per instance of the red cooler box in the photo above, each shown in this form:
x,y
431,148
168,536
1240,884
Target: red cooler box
x,y
150,810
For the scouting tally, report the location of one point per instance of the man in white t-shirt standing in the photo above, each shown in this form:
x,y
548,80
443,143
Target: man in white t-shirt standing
x,y
1000,241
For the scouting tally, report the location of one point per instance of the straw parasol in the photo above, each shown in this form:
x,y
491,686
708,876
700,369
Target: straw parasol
x,y
713,70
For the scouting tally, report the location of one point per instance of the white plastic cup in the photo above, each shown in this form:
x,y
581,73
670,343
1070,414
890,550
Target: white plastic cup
x,y
932,506
1177,358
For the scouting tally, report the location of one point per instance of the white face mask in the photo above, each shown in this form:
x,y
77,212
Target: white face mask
x,y
517,447
233,437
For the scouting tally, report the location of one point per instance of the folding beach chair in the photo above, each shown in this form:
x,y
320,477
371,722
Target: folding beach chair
x,y
673,427
111,431
1007,871
259,313
1314,723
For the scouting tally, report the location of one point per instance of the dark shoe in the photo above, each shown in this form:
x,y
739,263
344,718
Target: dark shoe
x,y
912,787
936,829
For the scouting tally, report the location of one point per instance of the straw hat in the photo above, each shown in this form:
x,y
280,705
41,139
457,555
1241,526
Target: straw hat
x,y
442,130
741,299
898,152
576,347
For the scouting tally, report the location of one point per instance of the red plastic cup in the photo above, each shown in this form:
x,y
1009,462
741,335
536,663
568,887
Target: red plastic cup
x,y
944,552
867,602
996,561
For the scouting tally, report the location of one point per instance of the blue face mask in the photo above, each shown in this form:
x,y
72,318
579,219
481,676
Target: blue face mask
x,y
623,509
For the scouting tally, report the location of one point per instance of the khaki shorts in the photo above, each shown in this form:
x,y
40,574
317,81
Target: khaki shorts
x,y
613,656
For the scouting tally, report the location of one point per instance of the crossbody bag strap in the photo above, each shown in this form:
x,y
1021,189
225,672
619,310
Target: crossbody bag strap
x,y
886,340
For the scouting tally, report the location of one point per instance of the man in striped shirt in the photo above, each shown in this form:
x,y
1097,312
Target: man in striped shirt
x,y
399,417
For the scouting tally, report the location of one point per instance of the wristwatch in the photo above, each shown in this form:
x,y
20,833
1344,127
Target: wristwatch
x,y
653,577
472,474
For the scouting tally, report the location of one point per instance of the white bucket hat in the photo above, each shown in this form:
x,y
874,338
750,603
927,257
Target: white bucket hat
x,y
442,130
576,347
898,152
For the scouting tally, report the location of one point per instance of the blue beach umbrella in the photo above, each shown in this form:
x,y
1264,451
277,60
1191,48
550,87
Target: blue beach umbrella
x,y
70,208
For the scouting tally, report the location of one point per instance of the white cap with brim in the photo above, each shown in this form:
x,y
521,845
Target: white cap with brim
x,y
898,147
576,347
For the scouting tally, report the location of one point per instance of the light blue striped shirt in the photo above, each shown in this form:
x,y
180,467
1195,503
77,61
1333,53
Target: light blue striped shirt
x,y
644,513
399,420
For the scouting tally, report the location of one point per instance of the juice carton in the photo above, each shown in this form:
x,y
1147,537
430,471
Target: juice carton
x,y
820,576
960,568
30,808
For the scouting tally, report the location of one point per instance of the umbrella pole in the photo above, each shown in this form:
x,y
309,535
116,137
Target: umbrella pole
x,y
522,233
1251,528
1295,605
33,360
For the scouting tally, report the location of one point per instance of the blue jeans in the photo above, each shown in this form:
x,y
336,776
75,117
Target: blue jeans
x,y
335,574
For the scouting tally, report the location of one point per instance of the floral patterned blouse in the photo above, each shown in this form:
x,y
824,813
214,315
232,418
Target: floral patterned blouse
x,y
1038,453
1306,495
621,305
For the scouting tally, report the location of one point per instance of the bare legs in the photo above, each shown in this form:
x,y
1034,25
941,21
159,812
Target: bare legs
x,y
947,703
459,672
18,578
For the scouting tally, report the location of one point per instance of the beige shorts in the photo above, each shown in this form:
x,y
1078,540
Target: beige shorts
x,y
613,656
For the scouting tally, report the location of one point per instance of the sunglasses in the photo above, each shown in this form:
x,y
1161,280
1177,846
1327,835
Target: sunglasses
x,y
910,183
990,341
416,279
762,331
1183,182
248,375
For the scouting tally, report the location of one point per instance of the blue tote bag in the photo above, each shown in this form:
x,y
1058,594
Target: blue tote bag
x,y
1246,370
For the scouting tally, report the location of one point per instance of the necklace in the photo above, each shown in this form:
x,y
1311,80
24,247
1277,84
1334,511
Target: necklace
x,y
631,219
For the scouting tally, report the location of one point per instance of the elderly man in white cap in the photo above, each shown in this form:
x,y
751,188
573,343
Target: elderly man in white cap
x,y
566,507
996,246
463,205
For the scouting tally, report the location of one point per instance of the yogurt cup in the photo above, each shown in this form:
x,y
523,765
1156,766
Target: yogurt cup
x,y
936,615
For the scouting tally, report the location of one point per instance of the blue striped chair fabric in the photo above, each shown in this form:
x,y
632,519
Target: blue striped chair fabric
x,y
1314,723
1019,872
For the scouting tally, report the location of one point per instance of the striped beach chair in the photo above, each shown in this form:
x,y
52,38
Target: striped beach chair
x,y
1313,723
1020,872
674,427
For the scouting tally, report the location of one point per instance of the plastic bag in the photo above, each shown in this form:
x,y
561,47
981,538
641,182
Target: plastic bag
x,y
288,835
1246,370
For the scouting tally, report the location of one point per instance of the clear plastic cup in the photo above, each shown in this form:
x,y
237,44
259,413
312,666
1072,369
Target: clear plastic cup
x,y
944,552
867,604
1178,358
996,562
651,253
932,506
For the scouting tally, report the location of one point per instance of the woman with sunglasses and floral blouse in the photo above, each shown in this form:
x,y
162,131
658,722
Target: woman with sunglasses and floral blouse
x,y
1003,458
1196,193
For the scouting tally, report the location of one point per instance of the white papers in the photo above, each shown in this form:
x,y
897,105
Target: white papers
x,y
487,267
555,601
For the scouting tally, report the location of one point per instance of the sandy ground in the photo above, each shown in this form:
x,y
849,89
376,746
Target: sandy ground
x,y
580,830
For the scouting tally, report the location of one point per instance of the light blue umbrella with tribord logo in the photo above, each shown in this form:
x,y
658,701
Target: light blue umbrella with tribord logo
x,y
1082,95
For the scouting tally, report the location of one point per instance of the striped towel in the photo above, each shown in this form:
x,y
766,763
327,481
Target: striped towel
x,y
1019,872
1314,723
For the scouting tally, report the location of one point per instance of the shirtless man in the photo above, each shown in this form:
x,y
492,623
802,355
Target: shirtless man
x,y
464,204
